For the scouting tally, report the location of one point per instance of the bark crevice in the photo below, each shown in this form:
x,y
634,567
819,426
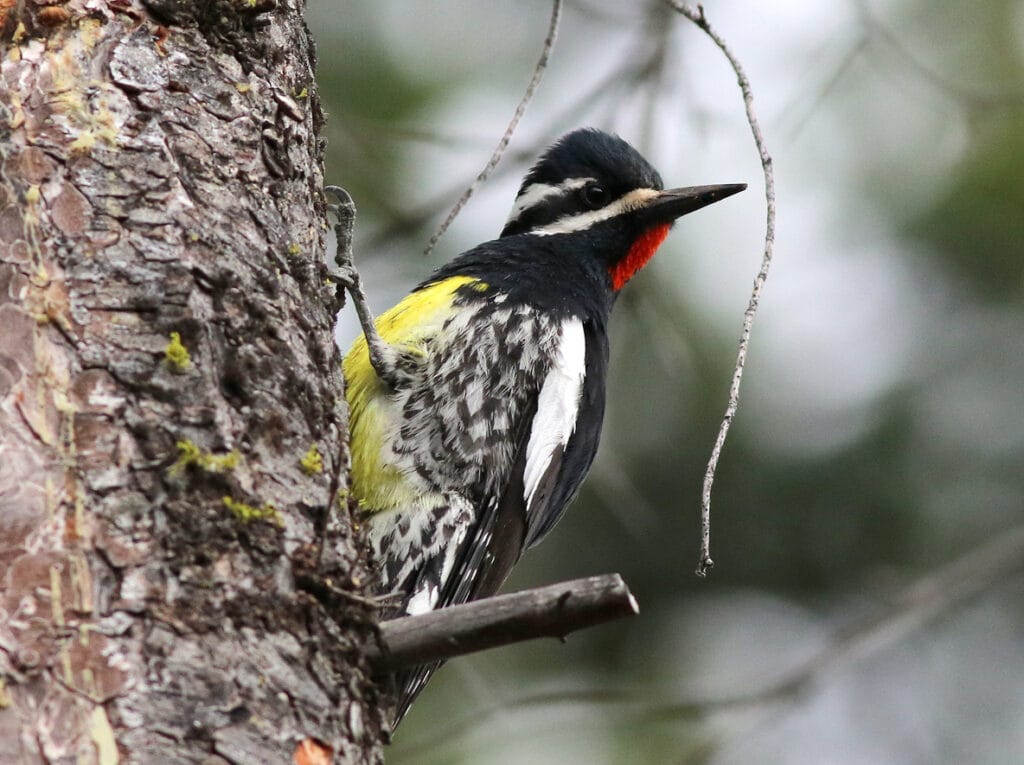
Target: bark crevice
x,y
159,177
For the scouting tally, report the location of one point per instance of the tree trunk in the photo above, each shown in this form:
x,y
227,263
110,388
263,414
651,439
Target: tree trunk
x,y
180,581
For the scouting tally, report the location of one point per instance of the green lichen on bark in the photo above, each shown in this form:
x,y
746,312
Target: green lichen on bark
x,y
189,455
247,513
165,346
312,461
177,355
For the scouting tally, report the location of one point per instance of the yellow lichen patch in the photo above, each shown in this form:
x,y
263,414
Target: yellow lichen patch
x,y
16,112
84,142
247,513
56,606
70,102
294,248
312,461
176,354
89,32
31,212
106,129
81,583
103,738
66,666
190,454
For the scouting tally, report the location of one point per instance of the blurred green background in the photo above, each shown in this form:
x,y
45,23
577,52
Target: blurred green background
x,y
881,433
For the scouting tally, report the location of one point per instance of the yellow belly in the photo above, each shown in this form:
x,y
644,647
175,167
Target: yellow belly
x,y
374,419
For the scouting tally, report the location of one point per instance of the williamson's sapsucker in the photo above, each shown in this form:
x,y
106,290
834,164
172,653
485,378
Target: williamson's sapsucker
x,y
470,443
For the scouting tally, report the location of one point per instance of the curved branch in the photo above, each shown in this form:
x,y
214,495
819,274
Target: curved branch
x,y
697,17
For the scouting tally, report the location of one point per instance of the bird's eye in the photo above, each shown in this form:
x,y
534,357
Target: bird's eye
x,y
594,196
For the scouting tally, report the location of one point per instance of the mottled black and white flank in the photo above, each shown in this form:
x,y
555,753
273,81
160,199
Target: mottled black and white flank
x,y
500,361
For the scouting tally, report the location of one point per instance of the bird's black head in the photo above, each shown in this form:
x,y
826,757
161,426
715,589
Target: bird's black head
x,y
598,188
583,171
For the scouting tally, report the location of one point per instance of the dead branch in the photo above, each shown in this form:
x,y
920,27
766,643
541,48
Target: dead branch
x,y
551,611
642,61
935,594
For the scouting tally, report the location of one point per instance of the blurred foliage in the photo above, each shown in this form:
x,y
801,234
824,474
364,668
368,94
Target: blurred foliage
x,y
367,92
976,227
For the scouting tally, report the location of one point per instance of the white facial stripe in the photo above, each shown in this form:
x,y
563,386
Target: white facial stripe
x,y
624,204
536,192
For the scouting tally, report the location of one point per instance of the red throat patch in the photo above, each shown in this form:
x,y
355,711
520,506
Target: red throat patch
x,y
643,249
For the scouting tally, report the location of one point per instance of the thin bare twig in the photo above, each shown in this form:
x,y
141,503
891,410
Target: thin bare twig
x,y
637,65
538,74
697,17
936,593
551,611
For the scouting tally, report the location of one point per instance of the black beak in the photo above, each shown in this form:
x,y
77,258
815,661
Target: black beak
x,y
675,203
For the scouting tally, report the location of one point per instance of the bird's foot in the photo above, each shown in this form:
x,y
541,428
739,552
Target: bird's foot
x,y
344,210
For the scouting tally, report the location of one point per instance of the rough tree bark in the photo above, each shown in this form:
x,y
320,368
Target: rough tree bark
x,y
176,555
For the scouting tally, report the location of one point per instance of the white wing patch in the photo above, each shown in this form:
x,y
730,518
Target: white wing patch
x,y
423,601
557,406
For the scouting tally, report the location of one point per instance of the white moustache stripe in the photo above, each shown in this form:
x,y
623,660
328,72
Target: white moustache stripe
x,y
538,192
582,221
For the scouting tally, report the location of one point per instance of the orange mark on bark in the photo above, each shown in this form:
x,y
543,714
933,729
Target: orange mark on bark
x,y
313,752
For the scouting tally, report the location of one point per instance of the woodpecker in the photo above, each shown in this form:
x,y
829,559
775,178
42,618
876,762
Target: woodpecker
x,y
474,424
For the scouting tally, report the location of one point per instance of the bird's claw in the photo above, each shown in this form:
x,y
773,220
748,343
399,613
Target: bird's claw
x,y
344,274
344,207
344,211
